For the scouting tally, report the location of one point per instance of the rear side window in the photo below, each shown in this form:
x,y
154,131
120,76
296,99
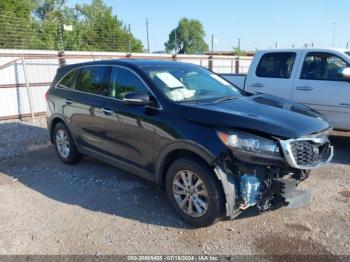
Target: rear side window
x,y
69,80
124,81
276,65
93,80
323,66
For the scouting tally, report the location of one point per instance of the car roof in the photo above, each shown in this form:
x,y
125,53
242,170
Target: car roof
x,y
128,62
313,49
131,63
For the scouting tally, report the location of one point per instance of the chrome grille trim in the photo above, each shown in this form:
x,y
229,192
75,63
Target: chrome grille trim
x,y
293,160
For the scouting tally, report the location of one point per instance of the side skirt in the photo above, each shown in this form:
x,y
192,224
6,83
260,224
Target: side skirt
x,y
118,163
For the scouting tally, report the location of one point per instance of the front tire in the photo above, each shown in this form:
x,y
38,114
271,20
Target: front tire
x,y
64,145
194,192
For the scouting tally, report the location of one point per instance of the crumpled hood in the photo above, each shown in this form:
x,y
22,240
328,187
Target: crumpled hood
x,y
265,113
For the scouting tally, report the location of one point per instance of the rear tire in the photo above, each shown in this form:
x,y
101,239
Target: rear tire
x,y
194,192
64,145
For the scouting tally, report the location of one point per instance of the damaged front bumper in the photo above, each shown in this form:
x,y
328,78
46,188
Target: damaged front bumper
x,y
277,193
250,182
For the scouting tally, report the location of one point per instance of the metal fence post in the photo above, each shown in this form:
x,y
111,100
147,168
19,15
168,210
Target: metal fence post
x,y
237,65
27,87
210,63
61,59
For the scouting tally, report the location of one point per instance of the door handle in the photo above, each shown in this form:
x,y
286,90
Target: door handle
x,y
68,101
257,85
107,111
304,88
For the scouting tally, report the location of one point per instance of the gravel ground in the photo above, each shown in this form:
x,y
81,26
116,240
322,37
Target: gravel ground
x,y
92,208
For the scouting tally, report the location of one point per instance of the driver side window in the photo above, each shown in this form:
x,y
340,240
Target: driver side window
x,y
123,81
323,66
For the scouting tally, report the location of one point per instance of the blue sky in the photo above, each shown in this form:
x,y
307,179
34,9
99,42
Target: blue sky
x,y
258,23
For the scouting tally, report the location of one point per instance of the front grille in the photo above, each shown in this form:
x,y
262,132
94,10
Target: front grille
x,y
307,153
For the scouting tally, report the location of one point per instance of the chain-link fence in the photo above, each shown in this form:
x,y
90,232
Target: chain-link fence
x,y
21,33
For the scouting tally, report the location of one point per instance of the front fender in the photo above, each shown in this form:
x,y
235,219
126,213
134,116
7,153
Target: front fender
x,y
181,145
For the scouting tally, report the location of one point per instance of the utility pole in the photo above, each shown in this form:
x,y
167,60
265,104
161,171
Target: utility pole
x,y
60,34
212,43
333,40
175,42
147,35
347,45
276,45
239,44
129,44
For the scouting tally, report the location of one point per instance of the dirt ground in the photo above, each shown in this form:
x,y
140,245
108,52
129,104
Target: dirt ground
x,y
47,207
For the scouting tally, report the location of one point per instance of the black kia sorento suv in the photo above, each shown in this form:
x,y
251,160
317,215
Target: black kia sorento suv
x,y
216,150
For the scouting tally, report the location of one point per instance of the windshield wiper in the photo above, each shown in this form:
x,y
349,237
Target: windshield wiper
x,y
225,98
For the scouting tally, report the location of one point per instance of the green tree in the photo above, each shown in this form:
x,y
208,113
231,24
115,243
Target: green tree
x,y
16,23
100,30
47,9
239,52
37,23
48,14
187,38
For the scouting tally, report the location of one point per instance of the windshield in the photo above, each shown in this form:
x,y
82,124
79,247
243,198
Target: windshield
x,y
348,53
190,83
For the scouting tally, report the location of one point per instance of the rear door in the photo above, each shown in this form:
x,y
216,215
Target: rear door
x,y
272,73
320,85
86,104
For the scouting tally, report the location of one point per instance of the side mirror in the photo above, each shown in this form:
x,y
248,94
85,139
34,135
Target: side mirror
x,y
346,73
136,99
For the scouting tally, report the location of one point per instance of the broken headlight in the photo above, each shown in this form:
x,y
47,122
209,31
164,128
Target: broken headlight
x,y
252,144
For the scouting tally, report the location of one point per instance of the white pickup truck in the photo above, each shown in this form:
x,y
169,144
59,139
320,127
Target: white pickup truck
x,y
318,78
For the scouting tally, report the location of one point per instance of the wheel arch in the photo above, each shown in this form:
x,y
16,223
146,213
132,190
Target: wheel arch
x,y
178,150
53,122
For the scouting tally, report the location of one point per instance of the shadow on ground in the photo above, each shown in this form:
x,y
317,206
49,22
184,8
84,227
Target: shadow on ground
x,y
91,184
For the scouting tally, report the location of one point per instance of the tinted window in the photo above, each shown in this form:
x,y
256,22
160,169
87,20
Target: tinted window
x,y
124,81
323,66
92,80
276,65
69,80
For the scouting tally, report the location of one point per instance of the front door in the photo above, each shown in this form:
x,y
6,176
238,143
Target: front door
x,y
273,75
128,129
321,86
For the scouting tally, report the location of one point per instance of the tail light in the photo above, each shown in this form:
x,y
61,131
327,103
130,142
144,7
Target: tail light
x,y
47,95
